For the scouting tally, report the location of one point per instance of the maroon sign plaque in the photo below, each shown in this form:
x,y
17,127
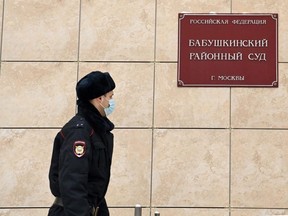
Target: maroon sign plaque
x,y
227,50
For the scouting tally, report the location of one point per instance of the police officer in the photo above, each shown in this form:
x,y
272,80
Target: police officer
x,y
82,152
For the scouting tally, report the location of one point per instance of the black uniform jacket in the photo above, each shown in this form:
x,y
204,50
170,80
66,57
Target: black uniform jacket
x,y
81,161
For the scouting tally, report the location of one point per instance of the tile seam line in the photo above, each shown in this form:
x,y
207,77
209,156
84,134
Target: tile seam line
x,y
2,33
78,50
101,61
96,61
161,207
153,109
150,128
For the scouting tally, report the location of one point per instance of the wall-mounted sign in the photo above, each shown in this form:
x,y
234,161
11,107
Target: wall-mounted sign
x,y
228,50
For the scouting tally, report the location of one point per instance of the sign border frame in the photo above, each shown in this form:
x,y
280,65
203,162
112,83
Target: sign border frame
x,y
274,84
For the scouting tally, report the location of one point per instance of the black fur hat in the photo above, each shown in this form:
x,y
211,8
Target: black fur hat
x,y
93,85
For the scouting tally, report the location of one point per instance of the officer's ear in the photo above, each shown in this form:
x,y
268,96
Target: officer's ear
x,y
95,101
99,99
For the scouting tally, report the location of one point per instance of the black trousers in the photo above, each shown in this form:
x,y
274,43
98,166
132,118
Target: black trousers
x,y
56,210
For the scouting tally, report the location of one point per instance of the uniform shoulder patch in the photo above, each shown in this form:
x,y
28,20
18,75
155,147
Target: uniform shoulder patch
x,y
79,148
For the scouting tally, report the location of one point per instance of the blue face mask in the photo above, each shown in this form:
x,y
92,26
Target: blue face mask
x,y
108,110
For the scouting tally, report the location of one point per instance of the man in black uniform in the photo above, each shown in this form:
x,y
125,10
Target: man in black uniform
x,y
82,153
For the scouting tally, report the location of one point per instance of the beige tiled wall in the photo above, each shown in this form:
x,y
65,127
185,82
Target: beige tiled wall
x,y
181,151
